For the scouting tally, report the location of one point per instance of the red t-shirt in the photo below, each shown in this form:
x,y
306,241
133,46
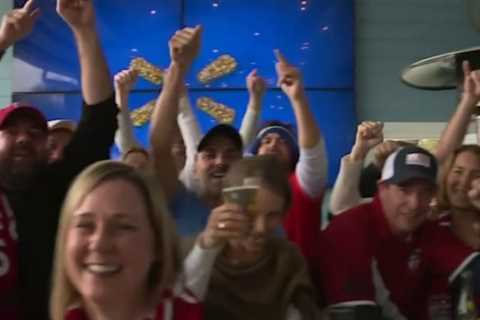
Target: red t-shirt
x,y
303,219
8,263
181,310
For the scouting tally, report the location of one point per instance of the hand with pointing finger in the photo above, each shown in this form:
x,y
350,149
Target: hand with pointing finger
x,y
17,24
256,85
289,78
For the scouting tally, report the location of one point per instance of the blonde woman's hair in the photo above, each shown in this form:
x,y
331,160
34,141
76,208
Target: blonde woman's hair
x,y
163,272
443,203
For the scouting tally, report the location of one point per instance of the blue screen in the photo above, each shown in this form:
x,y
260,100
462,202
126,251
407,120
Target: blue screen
x,y
317,36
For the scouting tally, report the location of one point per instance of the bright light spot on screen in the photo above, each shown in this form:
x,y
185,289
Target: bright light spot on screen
x,y
215,4
325,28
153,12
256,34
215,51
134,50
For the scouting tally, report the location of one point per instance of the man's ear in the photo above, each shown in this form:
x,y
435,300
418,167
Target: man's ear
x,y
381,185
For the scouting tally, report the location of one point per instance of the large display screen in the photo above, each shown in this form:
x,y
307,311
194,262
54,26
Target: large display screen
x,y
315,35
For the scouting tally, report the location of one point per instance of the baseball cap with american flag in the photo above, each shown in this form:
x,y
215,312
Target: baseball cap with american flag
x,y
408,163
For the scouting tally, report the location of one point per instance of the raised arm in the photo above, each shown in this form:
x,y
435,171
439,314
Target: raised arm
x,y
291,83
96,79
191,134
184,47
124,137
345,194
453,135
17,24
256,86
312,167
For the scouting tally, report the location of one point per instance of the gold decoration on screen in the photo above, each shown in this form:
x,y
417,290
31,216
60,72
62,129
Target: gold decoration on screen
x,y
428,144
220,112
147,70
223,65
142,115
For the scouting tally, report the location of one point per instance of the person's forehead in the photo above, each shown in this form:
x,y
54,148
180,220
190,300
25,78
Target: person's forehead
x,y
417,183
467,157
269,199
22,118
61,132
272,135
220,143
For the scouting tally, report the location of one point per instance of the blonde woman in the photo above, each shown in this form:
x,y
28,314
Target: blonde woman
x,y
116,252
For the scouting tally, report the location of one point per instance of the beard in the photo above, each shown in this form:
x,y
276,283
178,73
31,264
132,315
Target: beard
x,y
16,176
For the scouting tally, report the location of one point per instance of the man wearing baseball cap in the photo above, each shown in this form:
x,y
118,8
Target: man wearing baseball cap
x,y
31,190
370,257
23,133
217,150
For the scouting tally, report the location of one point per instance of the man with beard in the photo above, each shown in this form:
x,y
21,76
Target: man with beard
x,y
303,155
217,150
32,191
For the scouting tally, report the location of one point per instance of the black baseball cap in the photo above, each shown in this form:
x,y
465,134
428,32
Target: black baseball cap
x,y
221,130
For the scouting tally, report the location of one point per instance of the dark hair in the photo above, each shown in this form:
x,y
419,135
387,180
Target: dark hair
x,y
270,172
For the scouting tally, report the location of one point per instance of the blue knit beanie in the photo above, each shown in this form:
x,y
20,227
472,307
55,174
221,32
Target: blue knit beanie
x,y
285,131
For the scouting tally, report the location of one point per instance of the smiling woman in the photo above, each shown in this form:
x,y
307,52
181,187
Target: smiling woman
x,y
116,254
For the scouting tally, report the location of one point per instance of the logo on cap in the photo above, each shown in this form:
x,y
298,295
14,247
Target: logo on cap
x,y
418,159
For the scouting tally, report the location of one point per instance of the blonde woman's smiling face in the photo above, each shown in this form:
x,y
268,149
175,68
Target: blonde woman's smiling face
x,y
109,242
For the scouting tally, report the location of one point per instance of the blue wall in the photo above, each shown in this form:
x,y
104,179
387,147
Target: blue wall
x,y
315,35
